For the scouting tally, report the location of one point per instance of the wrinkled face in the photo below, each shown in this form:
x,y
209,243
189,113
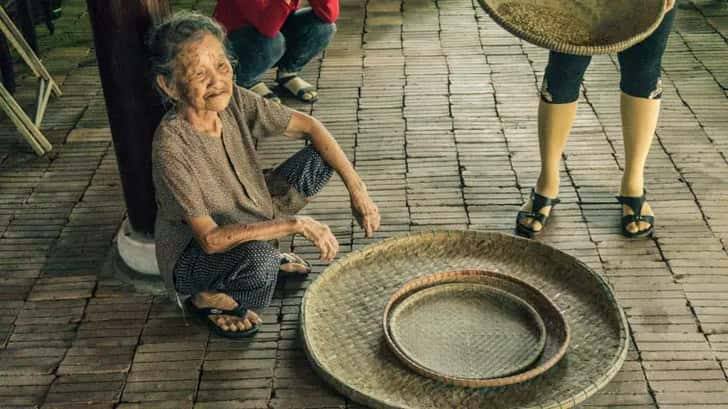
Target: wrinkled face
x,y
203,75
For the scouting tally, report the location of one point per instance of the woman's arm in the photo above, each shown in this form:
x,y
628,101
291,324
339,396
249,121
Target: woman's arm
x,y
366,211
219,239
301,125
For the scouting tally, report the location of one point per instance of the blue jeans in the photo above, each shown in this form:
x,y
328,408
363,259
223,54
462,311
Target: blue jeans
x,y
639,66
302,36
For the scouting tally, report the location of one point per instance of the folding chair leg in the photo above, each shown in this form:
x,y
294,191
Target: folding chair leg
x,y
44,94
27,128
46,86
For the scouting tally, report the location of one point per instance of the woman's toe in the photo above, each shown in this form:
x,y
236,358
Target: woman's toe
x,y
533,224
536,226
253,317
236,326
632,228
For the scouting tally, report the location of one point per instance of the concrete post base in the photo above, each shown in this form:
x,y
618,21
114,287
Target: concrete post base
x,y
133,261
137,250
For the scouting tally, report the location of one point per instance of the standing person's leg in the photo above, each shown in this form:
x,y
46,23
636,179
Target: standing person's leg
x,y
227,287
641,88
556,113
306,36
255,55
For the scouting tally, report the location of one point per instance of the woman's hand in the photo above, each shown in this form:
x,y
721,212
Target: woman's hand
x,y
365,211
320,235
669,4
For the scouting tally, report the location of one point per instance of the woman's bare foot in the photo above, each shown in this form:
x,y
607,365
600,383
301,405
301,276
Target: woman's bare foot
x,y
530,222
294,264
209,299
297,86
265,92
639,226
547,189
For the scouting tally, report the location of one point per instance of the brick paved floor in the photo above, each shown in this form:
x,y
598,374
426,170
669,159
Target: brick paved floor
x,y
437,107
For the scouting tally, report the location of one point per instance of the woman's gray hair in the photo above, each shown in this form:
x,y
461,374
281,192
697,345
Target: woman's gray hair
x,y
166,39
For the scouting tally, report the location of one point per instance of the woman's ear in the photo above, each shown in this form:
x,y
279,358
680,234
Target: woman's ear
x,y
171,91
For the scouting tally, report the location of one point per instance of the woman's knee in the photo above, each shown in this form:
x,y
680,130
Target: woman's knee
x,y
642,85
325,31
261,256
641,64
256,53
271,49
563,77
641,75
306,25
314,173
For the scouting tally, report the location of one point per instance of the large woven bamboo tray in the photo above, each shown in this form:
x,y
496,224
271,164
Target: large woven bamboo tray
x,y
474,328
344,340
581,27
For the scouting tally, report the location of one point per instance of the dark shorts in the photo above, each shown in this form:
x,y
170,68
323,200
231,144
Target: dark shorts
x,y
639,66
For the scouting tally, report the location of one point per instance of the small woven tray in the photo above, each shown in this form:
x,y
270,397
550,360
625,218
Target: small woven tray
x,y
463,332
580,27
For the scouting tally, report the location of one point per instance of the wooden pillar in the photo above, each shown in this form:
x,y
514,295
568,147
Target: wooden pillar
x,y
134,109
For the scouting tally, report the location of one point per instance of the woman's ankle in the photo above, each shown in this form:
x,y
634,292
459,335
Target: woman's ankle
x,y
631,188
284,74
546,187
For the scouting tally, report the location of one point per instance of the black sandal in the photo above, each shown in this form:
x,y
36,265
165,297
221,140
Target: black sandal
x,y
301,92
205,313
290,258
636,203
538,203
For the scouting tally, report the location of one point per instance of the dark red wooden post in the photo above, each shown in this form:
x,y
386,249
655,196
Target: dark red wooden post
x,y
134,110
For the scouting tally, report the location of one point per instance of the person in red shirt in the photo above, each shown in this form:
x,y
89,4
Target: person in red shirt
x,y
276,33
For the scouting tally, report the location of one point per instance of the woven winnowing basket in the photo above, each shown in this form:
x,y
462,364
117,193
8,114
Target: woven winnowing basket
x,y
581,27
344,340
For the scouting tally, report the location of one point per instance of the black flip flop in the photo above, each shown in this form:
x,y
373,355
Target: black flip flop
x,y
205,313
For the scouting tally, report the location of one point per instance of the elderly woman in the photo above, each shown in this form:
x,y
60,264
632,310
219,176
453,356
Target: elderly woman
x,y
217,210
